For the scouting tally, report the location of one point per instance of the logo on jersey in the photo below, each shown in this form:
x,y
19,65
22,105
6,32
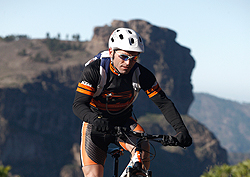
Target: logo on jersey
x,y
86,83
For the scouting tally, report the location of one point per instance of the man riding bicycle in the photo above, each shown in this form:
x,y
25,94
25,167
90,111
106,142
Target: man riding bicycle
x,y
109,85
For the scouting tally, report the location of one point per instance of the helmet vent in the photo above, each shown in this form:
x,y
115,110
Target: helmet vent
x,y
132,40
121,36
126,39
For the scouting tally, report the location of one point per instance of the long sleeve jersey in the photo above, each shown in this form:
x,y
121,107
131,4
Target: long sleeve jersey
x,y
114,102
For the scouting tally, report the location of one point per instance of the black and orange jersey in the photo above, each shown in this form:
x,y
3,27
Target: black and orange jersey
x,y
117,95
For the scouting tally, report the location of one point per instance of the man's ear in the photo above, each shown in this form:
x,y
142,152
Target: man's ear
x,y
111,52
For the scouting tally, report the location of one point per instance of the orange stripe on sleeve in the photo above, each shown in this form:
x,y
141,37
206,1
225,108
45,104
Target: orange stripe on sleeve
x,y
153,91
152,94
86,92
86,87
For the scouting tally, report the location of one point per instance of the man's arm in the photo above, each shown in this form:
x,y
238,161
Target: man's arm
x,y
155,93
84,92
173,117
81,107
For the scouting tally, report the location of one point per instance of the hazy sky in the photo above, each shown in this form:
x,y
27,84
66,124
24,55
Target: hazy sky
x,y
216,31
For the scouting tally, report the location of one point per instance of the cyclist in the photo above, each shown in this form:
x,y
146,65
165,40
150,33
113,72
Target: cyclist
x,y
109,84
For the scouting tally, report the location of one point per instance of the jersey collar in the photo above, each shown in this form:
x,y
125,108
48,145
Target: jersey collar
x,y
113,69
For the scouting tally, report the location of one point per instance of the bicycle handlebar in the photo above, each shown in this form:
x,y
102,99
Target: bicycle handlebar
x,y
165,140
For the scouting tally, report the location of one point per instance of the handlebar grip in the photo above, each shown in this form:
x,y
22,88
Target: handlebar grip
x,y
168,140
119,131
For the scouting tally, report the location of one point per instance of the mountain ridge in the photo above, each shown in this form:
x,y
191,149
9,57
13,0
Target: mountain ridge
x,y
38,128
229,120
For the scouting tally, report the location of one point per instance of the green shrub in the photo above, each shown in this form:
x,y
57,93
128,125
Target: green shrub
x,y
240,170
9,38
4,171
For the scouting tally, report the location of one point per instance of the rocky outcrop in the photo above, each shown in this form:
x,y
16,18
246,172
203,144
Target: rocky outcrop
x,y
169,61
40,134
40,128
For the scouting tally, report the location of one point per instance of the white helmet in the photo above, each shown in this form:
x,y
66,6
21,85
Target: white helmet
x,y
126,39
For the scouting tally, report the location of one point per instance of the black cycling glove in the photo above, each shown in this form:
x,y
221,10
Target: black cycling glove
x,y
184,138
101,125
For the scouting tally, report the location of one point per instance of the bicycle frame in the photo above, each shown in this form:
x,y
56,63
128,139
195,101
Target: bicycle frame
x,y
135,164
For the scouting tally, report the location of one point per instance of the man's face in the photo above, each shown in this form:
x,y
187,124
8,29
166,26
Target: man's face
x,y
120,64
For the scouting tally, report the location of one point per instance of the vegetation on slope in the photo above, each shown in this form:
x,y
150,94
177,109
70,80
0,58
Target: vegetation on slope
x,y
241,169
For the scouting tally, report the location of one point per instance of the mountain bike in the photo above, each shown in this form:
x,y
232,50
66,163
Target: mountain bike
x,y
134,167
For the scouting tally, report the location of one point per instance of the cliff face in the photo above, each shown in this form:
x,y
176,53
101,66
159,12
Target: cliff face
x,y
39,133
171,63
40,128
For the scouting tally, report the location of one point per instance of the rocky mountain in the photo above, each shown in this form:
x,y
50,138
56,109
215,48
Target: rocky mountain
x,y
39,135
228,120
24,60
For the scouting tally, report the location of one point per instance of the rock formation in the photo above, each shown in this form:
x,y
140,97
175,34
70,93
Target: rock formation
x,y
40,134
171,63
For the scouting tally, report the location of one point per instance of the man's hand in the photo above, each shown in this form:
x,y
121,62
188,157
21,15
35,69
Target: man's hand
x,y
101,125
184,138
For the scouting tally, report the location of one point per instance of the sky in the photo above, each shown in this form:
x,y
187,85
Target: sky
x,y
216,31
